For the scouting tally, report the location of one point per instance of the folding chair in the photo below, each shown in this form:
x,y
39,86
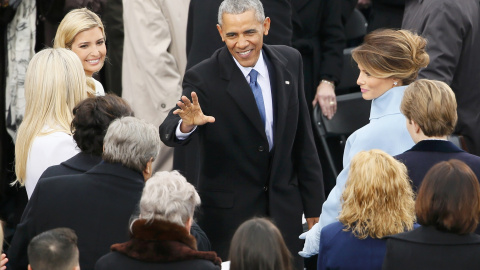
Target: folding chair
x,y
353,112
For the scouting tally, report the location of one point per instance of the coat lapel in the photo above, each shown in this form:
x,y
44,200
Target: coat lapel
x,y
280,79
239,90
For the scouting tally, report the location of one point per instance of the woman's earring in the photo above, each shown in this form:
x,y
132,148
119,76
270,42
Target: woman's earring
x,y
395,83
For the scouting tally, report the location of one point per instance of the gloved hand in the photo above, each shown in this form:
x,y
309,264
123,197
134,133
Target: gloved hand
x,y
312,241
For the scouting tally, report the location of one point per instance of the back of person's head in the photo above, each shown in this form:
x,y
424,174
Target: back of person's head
x,y
168,196
432,105
240,6
378,199
132,142
449,198
76,21
388,53
91,119
54,83
55,249
258,244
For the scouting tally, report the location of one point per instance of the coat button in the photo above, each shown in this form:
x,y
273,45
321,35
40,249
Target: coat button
x,y
260,149
163,105
265,188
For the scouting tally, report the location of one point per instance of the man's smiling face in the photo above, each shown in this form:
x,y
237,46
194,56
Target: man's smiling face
x,y
243,35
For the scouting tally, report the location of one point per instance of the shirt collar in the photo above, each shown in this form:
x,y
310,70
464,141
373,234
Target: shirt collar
x,y
260,66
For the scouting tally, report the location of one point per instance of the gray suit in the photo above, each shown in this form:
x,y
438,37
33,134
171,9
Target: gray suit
x,y
452,29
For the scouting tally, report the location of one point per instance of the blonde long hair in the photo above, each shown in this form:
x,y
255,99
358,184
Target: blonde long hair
x,y
55,82
378,199
76,21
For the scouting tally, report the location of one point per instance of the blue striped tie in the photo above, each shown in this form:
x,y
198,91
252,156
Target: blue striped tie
x,y
257,92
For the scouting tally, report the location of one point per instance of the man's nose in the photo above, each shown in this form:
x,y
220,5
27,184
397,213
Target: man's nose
x,y
242,42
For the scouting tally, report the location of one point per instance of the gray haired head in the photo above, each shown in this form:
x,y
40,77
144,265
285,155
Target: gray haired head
x,y
168,196
239,7
131,142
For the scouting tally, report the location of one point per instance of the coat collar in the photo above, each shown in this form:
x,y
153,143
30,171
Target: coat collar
x,y
388,103
116,169
82,162
435,146
432,236
162,242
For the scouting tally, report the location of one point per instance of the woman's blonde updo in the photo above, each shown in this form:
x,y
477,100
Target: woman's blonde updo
x,y
388,53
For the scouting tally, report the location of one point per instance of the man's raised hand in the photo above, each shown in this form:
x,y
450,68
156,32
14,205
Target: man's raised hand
x,y
191,114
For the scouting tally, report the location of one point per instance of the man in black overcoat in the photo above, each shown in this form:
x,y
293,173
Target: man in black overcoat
x,y
253,161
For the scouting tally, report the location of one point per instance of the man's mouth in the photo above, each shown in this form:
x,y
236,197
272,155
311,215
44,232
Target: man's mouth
x,y
245,53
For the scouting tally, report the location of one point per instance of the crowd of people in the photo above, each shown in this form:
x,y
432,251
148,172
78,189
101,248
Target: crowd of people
x,y
106,190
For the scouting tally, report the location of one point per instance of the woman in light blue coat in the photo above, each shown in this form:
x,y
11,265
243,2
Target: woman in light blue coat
x,y
388,60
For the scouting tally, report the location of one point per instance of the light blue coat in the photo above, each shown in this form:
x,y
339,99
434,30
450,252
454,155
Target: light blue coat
x,y
386,131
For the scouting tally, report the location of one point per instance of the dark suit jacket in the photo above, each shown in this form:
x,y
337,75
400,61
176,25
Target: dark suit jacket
x,y
97,205
318,35
239,178
427,248
425,154
386,14
79,163
342,250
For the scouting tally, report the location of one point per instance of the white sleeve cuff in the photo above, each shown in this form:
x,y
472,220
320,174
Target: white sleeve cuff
x,y
180,135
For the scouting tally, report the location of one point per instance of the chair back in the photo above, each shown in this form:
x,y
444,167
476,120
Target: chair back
x,y
356,26
353,112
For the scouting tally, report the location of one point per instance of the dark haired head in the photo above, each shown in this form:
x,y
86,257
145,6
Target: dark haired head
x,y
449,198
53,250
258,244
91,119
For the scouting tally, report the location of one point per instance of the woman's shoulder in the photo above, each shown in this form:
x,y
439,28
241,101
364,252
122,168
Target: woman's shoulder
x,y
99,90
116,260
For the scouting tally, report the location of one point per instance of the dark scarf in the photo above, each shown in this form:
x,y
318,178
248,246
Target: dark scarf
x,y
162,241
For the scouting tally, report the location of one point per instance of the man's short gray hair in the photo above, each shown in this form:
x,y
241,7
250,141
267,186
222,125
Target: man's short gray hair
x,y
168,196
239,7
131,142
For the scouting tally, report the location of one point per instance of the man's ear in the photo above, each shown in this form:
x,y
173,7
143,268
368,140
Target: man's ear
x,y
219,28
188,224
147,172
266,26
416,127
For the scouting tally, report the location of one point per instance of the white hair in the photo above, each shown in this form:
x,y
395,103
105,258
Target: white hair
x,y
239,7
131,142
168,196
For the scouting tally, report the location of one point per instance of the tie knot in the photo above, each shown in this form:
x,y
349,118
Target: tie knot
x,y
253,76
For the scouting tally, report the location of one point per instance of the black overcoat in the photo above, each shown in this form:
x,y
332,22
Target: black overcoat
x,y
239,177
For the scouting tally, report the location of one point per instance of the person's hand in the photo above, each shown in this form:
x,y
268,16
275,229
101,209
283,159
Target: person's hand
x,y
191,114
326,98
3,261
312,221
312,241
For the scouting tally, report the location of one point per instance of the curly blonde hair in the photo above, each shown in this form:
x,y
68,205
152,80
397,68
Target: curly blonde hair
x,y
378,199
